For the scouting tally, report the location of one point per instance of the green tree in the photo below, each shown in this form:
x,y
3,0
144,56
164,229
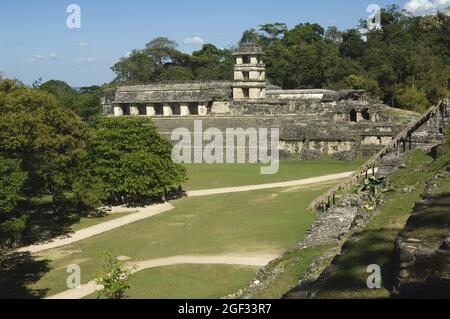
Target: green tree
x,y
133,161
86,103
353,45
250,36
212,63
411,98
49,140
304,33
138,67
114,278
362,82
161,61
177,73
333,34
12,221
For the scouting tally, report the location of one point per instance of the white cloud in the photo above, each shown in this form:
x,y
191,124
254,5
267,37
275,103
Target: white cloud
x,y
85,60
83,44
426,6
36,58
55,57
193,40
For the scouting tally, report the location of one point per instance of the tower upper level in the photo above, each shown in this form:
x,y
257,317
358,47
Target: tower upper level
x,y
249,73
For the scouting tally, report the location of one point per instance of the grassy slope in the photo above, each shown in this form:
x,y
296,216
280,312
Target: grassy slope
x,y
434,225
293,265
204,176
189,282
402,116
266,221
376,243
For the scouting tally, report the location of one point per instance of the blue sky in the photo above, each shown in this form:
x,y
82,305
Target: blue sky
x,y
36,42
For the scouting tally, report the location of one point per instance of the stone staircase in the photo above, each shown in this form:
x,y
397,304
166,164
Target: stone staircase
x,y
425,133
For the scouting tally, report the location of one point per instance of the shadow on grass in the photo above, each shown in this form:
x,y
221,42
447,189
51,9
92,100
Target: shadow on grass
x,y
17,272
364,248
45,222
435,215
142,201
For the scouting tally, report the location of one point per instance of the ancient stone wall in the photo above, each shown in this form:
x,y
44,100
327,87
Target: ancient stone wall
x,y
423,248
301,137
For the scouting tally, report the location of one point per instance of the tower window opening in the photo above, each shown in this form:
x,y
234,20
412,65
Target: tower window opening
x,y
142,110
353,116
159,110
366,115
126,109
193,108
176,110
246,92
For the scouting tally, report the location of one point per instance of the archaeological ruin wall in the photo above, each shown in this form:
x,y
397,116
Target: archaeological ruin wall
x,y
313,123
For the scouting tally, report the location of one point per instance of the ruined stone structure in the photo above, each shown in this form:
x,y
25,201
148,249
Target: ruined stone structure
x,y
249,73
423,256
312,123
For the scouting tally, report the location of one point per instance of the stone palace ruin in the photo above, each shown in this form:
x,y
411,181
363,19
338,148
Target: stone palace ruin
x,y
313,123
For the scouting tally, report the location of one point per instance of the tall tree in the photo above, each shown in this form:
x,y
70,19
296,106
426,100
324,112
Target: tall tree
x,y
133,161
49,140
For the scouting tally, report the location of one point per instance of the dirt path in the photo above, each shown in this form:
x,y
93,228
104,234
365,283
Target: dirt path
x,y
141,213
301,182
92,287
149,211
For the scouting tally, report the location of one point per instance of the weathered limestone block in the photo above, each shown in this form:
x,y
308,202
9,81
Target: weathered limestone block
x,y
254,75
371,140
238,76
167,110
134,110
202,110
118,111
238,93
220,108
151,110
184,110
255,93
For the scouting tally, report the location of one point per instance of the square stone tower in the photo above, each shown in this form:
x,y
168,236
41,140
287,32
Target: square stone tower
x,y
249,73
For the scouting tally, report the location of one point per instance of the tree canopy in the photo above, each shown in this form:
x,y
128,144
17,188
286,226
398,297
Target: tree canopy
x,y
133,161
407,58
161,61
47,149
86,102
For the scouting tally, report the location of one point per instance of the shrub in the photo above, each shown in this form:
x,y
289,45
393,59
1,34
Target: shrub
x,y
113,277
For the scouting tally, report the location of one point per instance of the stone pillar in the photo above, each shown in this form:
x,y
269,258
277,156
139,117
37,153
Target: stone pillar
x,y
134,110
167,110
202,110
118,111
359,117
263,94
151,110
184,110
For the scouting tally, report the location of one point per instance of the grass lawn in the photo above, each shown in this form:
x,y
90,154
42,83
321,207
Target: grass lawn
x,y
43,224
204,176
189,282
259,222
376,243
